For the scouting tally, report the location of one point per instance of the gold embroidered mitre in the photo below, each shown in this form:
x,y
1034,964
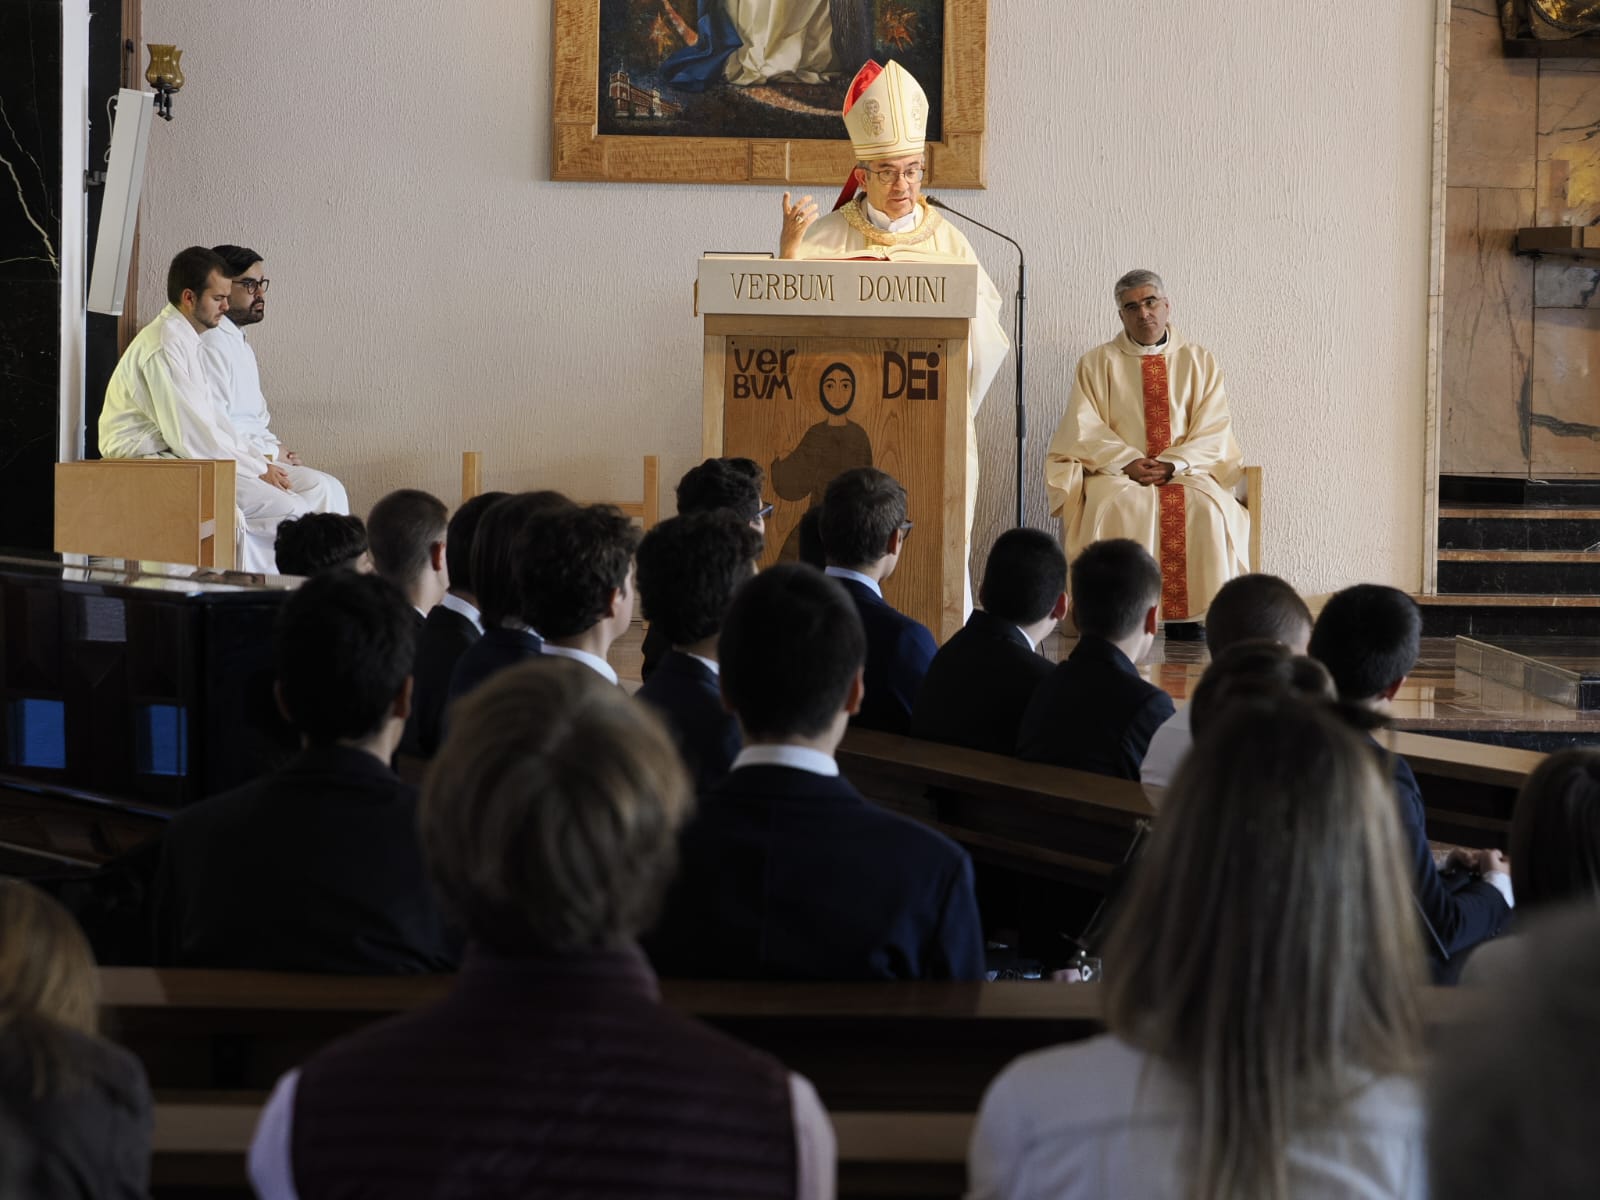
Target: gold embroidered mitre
x,y
886,113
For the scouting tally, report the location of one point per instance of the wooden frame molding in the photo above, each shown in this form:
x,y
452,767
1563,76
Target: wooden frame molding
x,y
579,153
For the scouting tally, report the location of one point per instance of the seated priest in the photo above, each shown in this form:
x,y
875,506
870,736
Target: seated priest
x,y
881,214
1146,451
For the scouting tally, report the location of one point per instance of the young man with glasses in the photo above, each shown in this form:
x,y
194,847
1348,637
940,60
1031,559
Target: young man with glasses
x,y
1146,451
881,214
232,365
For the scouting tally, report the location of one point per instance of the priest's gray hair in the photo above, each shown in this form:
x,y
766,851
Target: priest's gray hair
x,y
1138,279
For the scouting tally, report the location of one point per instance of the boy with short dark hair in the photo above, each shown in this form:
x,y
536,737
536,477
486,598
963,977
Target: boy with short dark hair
x,y
407,531
688,570
319,542
787,872
1094,712
981,680
864,527
1369,637
315,867
1246,608
575,572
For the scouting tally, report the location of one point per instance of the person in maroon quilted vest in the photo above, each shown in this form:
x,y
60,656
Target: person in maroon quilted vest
x,y
550,823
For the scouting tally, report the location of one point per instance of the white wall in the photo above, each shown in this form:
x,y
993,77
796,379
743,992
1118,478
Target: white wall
x,y
434,292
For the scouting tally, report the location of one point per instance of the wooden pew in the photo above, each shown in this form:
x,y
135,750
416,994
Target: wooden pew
x,y
1039,819
1469,788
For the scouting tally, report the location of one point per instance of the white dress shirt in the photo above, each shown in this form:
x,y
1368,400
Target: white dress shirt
x,y
593,661
801,758
162,400
847,573
1098,1118
457,605
233,367
1169,746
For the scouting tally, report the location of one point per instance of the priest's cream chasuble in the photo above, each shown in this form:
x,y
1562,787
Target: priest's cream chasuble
x,y
1166,402
847,233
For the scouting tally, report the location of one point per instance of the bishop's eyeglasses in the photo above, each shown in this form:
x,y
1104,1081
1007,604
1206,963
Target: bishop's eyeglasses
x,y
912,174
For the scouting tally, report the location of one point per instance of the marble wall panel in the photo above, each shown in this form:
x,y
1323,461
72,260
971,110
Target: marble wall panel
x,y
1558,284
1564,413
1488,333
1569,143
30,238
1494,103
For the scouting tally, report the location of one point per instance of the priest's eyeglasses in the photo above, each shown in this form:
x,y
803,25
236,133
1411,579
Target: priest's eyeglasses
x,y
254,287
1148,304
890,174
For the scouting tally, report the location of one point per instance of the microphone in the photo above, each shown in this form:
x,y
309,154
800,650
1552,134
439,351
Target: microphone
x,y
1022,304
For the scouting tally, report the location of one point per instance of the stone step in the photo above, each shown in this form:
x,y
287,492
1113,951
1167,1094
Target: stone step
x,y
1520,572
1552,529
1564,671
1500,613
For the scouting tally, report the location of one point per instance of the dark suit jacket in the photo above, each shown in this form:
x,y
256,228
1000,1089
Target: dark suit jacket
x,y
1093,713
88,1139
315,867
898,653
687,696
496,650
979,686
790,875
1454,920
446,636
654,648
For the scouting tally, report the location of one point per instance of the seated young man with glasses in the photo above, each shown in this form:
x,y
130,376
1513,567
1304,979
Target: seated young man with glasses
x,y
864,527
881,214
231,363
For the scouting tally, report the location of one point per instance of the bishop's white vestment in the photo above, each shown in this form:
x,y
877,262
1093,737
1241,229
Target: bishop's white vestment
x,y
1165,402
234,371
923,236
161,402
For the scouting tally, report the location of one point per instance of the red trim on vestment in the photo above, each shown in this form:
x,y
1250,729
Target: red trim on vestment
x,y
1173,528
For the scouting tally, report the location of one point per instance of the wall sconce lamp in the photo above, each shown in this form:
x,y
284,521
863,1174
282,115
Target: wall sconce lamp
x,y
165,75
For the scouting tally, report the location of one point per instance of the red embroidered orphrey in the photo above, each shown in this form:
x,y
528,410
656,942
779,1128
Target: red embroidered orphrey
x,y
1174,553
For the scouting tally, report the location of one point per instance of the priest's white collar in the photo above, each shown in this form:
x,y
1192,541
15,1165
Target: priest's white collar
x,y
1169,342
847,573
593,661
800,758
884,222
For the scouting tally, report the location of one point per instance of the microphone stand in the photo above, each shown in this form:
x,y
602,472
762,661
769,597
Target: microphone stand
x,y
1022,305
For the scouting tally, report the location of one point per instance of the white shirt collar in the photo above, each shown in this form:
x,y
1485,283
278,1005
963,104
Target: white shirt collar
x,y
710,664
226,328
801,758
593,661
1032,645
847,573
882,220
179,324
457,605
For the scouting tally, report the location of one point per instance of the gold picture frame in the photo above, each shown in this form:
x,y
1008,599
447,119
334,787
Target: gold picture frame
x,y
579,153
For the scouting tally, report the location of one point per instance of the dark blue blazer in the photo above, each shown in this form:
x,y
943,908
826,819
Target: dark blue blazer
x,y
979,686
315,867
687,696
1093,712
446,635
789,875
898,653
496,650
1454,920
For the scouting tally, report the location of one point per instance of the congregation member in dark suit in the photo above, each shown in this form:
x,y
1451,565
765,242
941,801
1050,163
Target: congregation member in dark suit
x,y
980,682
407,531
314,867
319,542
718,484
508,638
864,527
78,1106
453,626
787,872
1094,712
689,568
1369,637
576,577
552,1068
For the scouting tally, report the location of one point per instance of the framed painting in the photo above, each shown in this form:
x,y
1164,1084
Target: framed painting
x,y
749,91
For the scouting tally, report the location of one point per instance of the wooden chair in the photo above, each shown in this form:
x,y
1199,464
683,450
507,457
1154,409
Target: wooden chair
x,y
1248,491
646,510
176,510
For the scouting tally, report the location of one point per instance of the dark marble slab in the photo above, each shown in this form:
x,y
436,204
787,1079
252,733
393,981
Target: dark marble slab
x,y
1536,493
1518,533
1521,578
30,241
1441,621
